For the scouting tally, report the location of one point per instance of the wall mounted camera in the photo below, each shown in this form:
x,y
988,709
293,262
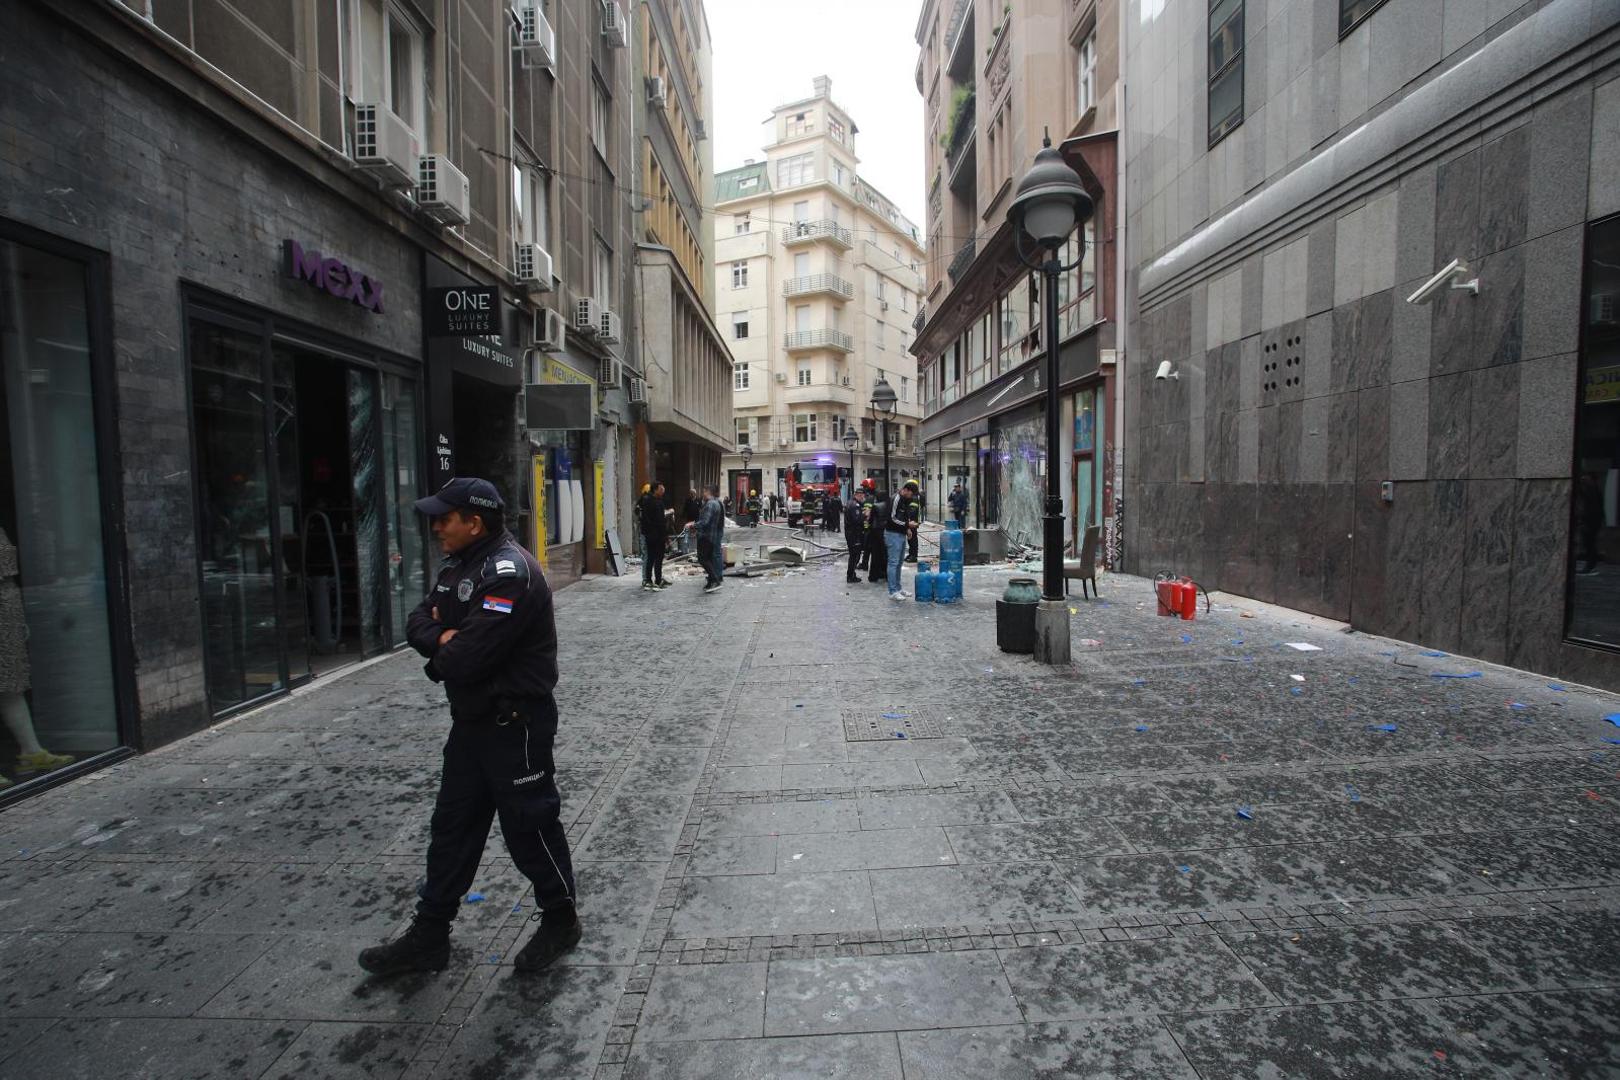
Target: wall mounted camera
x,y
1453,276
1164,371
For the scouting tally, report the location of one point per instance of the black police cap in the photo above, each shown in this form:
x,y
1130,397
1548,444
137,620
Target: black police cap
x,y
462,492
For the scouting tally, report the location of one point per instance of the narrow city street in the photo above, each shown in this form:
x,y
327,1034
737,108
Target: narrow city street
x,y
823,834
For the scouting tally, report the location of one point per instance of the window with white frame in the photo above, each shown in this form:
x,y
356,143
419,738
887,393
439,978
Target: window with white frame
x,y
602,273
1085,74
804,373
739,275
747,182
739,377
531,203
799,124
804,427
877,333
835,128
743,222
386,59
601,110
838,172
905,388
795,171
739,326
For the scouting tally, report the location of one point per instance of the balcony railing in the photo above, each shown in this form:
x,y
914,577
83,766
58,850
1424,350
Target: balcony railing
x,y
962,260
813,284
801,232
826,338
921,319
960,27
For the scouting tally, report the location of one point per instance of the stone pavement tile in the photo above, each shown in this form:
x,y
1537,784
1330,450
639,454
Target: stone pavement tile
x,y
773,904
1190,830
1071,799
1544,1035
1371,963
104,975
781,818
579,741
720,856
549,1024
353,900
310,978
1527,771
971,895
633,827
1022,841
18,1032
347,1051
704,1001
1549,808
1117,978
1539,859
853,774
748,778
665,768
949,747
831,1057
1283,874
152,1048
878,849
1134,1048
801,752
910,811
695,730
1551,952
1323,1042
887,993
118,896
615,900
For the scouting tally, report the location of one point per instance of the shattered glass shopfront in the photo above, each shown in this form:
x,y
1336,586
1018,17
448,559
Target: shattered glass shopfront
x,y
1017,472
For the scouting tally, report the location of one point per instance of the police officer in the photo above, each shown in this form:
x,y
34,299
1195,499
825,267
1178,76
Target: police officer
x,y
490,637
916,508
855,533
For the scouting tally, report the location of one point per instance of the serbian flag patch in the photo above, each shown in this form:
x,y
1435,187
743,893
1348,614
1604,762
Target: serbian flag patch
x,y
498,603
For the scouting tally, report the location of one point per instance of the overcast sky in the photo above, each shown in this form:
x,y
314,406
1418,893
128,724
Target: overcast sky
x,y
766,52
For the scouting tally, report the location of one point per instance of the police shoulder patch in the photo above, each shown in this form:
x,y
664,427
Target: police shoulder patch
x,y
464,590
505,568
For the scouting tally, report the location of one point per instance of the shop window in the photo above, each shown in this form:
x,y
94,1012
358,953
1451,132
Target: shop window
x,y
1225,67
1594,565
58,697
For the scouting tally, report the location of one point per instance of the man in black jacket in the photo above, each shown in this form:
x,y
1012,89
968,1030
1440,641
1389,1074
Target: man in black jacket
x,y
490,636
654,534
877,549
855,532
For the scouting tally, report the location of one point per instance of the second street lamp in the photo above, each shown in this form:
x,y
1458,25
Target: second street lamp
x,y
1049,204
851,439
884,403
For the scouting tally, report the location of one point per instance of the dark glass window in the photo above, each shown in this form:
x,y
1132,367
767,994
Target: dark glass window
x,y
1225,67
1594,587
1351,12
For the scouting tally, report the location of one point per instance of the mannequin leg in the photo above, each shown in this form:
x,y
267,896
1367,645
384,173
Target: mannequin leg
x,y
18,720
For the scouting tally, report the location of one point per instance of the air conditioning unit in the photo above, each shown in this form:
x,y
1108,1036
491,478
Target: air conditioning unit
x,y
657,91
587,316
608,330
609,373
534,267
537,41
384,146
548,330
638,390
442,190
784,443
781,376
613,26
883,305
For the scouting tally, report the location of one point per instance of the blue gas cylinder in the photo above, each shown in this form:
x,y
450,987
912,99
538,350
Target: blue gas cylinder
x,y
923,587
950,546
945,588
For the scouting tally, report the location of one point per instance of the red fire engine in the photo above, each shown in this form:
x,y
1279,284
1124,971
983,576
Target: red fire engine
x,y
808,484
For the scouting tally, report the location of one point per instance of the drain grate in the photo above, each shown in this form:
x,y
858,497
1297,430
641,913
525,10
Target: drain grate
x,y
893,722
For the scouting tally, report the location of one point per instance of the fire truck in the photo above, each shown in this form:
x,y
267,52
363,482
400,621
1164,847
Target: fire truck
x,y
808,484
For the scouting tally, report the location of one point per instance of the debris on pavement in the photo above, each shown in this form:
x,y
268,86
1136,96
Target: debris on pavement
x,y
1303,646
1455,674
475,898
1246,813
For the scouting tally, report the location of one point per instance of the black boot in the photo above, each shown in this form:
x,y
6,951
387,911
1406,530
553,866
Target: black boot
x,y
423,947
554,938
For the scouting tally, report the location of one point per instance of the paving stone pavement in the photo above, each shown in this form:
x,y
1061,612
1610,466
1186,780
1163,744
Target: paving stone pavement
x,y
1198,852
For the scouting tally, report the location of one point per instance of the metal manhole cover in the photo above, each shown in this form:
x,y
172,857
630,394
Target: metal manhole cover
x,y
894,722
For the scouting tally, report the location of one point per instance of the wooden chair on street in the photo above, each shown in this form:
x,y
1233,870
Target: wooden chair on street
x,y
1085,567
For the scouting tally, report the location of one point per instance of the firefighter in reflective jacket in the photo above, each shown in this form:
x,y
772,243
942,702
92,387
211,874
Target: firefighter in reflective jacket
x,y
490,636
916,507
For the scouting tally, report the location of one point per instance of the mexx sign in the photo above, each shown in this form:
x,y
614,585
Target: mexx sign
x,y
333,275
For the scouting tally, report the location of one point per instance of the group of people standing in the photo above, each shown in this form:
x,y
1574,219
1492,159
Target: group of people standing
x,y
704,515
880,532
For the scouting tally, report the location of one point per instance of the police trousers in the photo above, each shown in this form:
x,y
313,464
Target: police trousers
x,y
500,766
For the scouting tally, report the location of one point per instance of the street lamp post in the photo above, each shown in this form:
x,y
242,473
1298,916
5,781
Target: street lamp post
x,y
747,453
852,439
1049,204
884,403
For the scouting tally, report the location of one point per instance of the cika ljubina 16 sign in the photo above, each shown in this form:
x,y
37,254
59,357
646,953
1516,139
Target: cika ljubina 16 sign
x,y
463,311
333,275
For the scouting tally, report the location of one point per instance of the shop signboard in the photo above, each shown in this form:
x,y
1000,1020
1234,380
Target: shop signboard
x,y
462,311
1602,385
331,275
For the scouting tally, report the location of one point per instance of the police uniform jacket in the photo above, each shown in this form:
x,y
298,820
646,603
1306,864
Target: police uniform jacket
x,y
494,595
854,521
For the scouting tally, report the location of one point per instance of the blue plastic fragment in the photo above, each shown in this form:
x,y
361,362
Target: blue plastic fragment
x,y
1434,653
1456,675
475,898
1185,869
1141,727
899,734
1613,718
1350,790
1186,639
894,716
1246,813
1607,739
1555,686
494,957
1517,705
1295,690
1381,727
516,908
1138,682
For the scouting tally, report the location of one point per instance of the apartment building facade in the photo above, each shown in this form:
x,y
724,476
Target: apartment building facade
x,y
270,273
996,77
1376,242
817,277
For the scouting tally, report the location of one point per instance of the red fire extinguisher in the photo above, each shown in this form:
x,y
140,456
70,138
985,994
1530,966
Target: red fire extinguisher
x,y
1189,598
1169,594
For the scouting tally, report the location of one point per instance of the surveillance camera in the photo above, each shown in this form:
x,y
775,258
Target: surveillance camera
x,y
1164,371
1451,274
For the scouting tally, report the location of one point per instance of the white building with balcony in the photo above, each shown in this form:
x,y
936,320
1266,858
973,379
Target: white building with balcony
x,y
818,282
